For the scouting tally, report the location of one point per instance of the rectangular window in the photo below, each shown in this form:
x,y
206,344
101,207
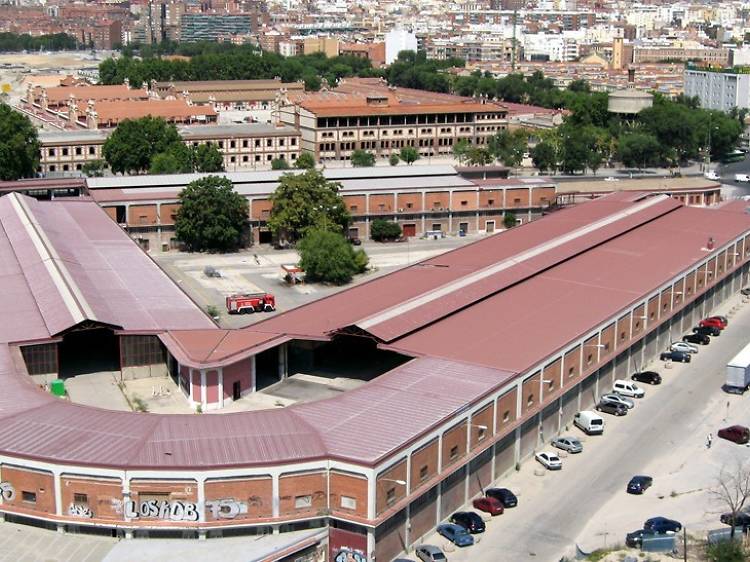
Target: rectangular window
x,y
269,142
80,499
481,433
454,452
79,151
348,503
302,502
51,151
244,143
257,143
232,144
423,473
92,150
390,496
506,416
64,151
28,497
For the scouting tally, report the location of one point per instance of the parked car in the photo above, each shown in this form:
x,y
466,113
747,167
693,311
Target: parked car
x,y
627,388
504,495
456,534
707,330
713,321
679,356
712,175
610,408
745,292
429,553
639,484
701,339
683,346
548,460
742,177
590,422
663,525
568,444
469,520
739,519
490,505
635,539
723,319
735,433
615,398
649,377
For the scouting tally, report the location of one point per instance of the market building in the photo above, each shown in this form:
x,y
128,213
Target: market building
x,y
457,398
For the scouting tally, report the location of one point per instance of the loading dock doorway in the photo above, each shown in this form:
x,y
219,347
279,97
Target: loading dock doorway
x,y
236,390
89,350
409,230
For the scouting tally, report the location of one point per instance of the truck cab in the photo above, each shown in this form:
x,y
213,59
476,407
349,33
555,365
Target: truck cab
x,y
249,303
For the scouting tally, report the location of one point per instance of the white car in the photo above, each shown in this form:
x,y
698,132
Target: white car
x,y
684,347
742,177
627,388
612,178
712,175
550,461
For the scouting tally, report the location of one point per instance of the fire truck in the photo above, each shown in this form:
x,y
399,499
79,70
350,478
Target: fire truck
x,y
253,302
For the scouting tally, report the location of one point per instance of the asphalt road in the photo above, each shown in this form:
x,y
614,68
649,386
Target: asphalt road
x,y
727,171
555,508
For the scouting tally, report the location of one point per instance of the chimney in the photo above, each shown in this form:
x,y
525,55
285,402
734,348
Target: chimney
x,y
631,77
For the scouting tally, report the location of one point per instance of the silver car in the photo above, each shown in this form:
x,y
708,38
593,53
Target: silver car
x,y
429,553
568,444
614,398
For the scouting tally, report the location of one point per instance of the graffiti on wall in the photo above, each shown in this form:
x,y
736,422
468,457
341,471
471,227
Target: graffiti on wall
x,y
346,555
177,510
78,510
7,492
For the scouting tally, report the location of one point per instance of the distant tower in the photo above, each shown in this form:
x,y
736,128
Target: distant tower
x,y
618,53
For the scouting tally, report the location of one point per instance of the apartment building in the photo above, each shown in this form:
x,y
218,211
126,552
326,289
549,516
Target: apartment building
x,y
245,147
720,89
367,114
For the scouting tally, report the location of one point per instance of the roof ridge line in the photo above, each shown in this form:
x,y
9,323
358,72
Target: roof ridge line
x,y
69,292
517,259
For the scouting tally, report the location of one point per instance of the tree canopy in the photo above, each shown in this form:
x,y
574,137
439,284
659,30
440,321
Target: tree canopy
x,y
19,145
207,158
134,143
409,154
212,216
13,42
307,201
328,257
305,161
381,230
362,158
279,164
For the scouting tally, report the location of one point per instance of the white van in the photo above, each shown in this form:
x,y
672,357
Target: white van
x,y
628,388
742,177
590,422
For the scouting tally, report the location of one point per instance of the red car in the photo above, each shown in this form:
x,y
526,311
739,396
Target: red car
x,y
714,321
493,506
736,434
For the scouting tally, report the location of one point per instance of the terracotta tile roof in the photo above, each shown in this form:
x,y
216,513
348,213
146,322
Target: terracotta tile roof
x,y
116,111
120,92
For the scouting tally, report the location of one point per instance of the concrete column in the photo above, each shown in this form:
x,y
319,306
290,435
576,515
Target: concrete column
x,y
275,495
203,388
371,495
252,373
450,210
424,209
201,483
221,387
283,367
190,383
371,543
58,492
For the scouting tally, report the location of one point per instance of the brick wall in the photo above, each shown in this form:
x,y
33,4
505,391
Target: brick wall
x,y
454,444
302,493
424,463
254,493
347,488
40,488
388,492
100,495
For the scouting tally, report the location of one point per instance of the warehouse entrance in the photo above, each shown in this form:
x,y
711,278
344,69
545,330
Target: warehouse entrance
x,y
89,348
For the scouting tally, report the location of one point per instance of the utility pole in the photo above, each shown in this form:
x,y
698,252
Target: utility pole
x,y
684,544
513,46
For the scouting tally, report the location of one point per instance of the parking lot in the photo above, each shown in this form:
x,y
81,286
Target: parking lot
x,y
664,436
259,269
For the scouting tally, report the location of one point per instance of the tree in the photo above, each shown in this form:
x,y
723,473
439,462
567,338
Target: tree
x,y
509,219
639,150
544,157
279,164
135,142
212,216
409,155
479,156
509,147
381,230
177,159
305,161
208,159
19,145
732,488
328,257
362,159
307,201
393,159
94,168
460,149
